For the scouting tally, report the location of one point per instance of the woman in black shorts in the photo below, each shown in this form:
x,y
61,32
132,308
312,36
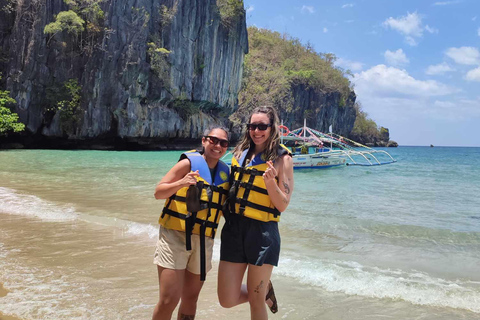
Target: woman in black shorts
x,y
261,187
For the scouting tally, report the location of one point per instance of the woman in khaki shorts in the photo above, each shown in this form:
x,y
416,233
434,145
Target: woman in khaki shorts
x,y
195,190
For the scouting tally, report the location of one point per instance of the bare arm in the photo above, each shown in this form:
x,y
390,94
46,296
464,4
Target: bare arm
x,y
280,193
178,177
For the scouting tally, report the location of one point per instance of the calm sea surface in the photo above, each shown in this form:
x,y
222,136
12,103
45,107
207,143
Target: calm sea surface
x,y
400,241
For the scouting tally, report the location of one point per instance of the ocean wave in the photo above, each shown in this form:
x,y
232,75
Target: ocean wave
x,y
39,294
353,278
13,202
16,203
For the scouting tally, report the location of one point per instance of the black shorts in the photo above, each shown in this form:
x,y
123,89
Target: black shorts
x,y
246,240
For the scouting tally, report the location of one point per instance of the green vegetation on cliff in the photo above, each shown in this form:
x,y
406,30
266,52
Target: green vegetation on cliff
x,y
84,16
8,119
66,99
277,62
365,130
231,11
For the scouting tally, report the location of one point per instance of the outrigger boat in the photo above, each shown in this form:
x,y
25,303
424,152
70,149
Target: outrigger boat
x,y
313,149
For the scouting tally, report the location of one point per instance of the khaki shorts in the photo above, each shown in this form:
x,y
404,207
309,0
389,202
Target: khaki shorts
x,y
171,253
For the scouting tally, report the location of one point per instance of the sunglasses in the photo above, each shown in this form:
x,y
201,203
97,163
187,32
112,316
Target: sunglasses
x,y
260,126
215,141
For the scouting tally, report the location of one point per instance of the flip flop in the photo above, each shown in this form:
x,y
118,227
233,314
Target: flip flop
x,y
271,296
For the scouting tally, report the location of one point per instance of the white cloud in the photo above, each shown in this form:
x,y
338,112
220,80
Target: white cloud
x,y
439,69
473,75
458,109
350,65
325,30
431,29
445,3
383,81
309,9
250,9
410,26
464,55
348,5
396,58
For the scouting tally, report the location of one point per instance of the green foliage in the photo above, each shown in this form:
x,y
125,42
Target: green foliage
x,y
8,119
231,11
140,16
65,21
275,63
365,129
159,62
167,14
85,18
9,6
185,108
66,99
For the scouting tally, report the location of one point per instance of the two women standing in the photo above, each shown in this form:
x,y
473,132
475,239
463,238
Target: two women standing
x,y
261,184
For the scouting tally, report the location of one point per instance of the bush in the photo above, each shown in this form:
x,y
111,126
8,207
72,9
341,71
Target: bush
x,y
66,99
8,119
275,63
231,11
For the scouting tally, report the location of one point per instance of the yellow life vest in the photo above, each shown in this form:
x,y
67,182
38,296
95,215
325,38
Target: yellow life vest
x,y
213,195
248,193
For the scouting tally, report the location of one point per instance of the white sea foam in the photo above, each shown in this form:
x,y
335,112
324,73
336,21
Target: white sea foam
x,y
16,203
136,228
13,202
39,293
354,279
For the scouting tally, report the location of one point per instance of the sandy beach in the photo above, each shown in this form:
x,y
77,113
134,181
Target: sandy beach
x,y
3,293
78,231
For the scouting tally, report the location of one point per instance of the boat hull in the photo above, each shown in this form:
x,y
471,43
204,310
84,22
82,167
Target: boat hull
x,y
315,161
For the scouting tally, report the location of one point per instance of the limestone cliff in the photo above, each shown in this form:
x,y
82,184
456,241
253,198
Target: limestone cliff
x,y
147,74
121,95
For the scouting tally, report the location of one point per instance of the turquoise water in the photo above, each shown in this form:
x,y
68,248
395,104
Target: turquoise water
x,y
400,240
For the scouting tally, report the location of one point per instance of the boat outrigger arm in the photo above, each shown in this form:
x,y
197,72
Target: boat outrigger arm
x,y
339,146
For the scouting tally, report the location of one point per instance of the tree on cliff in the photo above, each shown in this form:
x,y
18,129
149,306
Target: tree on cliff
x,y
275,63
365,130
8,119
84,15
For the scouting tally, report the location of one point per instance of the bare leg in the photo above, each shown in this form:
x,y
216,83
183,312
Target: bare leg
x,y
230,290
257,285
171,285
191,290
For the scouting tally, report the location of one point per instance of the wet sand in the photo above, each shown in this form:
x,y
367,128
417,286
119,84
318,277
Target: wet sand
x,y
3,293
4,317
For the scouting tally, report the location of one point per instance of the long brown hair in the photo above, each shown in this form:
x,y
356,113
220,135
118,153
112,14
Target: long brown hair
x,y
273,141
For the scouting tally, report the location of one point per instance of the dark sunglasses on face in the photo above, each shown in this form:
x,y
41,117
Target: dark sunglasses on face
x,y
215,141
260,126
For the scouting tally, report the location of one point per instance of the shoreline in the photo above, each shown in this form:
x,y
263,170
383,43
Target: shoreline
x,y
3,293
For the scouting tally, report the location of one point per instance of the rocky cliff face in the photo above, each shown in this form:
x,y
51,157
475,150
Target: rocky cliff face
x,y
121,94
321,110
155,75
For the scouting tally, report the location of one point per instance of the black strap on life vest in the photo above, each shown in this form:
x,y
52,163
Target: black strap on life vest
x,y
190,220
248,186
209,224
203,261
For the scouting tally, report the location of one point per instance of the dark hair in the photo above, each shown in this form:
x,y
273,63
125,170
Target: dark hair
x,y
207,131
273,141
211,128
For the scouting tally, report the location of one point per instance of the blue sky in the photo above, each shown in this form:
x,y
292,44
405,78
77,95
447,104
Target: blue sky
x,y
416,64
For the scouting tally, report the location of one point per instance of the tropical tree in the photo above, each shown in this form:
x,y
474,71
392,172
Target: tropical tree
x,y
8,119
